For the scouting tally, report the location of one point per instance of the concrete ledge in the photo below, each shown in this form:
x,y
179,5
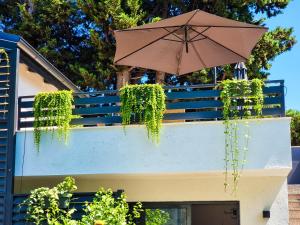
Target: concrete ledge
x,y
185,148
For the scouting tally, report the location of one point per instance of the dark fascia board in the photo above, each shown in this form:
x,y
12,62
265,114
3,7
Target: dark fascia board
x,y
9,37
24,46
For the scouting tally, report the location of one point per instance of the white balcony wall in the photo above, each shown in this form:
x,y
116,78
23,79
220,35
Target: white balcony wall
x,y
185,148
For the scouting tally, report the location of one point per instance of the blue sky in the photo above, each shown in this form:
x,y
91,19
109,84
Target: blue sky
x,y
287,65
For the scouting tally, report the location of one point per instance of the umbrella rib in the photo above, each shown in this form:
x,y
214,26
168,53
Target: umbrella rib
x,y
174,34
198,55
198,33
151,28
148,44
223,46
200,39
166,39
196,11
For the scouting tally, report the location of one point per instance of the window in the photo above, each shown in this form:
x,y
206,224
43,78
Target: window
x,y
194,213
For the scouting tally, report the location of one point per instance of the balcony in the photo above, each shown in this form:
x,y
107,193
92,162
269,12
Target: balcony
x,y
184,104
192,144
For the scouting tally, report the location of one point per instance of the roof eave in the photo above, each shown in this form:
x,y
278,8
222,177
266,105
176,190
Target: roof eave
x,y
42,61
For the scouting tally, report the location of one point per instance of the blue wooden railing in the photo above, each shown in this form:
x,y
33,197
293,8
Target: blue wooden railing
x,y
184,103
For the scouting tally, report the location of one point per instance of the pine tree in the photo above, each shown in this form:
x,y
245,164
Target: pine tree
x,y
77,35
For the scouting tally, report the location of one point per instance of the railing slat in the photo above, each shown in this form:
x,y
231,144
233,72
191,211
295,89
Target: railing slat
x,y
272,112
193,94
194,104
96,100
272,100
97,120
193,115
272,90
96,110
28,104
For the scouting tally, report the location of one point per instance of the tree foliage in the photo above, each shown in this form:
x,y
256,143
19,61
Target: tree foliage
x,y
77,36
295,126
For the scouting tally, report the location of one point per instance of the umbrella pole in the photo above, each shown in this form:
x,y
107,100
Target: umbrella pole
x,y
160,77
215,83
215,75
186,39
123,78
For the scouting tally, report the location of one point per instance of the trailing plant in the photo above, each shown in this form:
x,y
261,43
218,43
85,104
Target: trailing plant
x,y
52,109
295,126
147,103
109,210
241,99
51,205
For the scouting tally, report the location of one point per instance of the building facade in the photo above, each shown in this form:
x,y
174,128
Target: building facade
x,y
183,174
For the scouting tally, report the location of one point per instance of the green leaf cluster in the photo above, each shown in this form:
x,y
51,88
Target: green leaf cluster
x,y
157,217
112,211
240,99
147,103
52,109
51,205
295,126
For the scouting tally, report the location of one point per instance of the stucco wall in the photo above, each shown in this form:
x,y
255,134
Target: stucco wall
x,y
255,194
30,82
186,166
184,148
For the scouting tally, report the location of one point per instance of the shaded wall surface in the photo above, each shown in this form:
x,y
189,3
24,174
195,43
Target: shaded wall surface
x,y
294,176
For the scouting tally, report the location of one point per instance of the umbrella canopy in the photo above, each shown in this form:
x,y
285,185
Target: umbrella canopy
x,y
186,43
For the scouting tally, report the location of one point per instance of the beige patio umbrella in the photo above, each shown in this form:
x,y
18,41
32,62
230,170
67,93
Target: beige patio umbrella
x,y
186,43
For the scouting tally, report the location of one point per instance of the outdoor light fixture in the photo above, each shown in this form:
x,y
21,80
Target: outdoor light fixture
x,y
266,214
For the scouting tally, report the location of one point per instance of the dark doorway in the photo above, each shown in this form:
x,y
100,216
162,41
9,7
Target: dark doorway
x,y
191,213
215,214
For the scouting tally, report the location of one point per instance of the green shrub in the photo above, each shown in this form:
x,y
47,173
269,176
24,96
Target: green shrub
x,y
295,126
51,205
157,217
112,211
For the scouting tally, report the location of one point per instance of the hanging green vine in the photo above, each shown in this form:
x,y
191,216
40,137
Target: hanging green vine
x,y
52,109
241,99
147,103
